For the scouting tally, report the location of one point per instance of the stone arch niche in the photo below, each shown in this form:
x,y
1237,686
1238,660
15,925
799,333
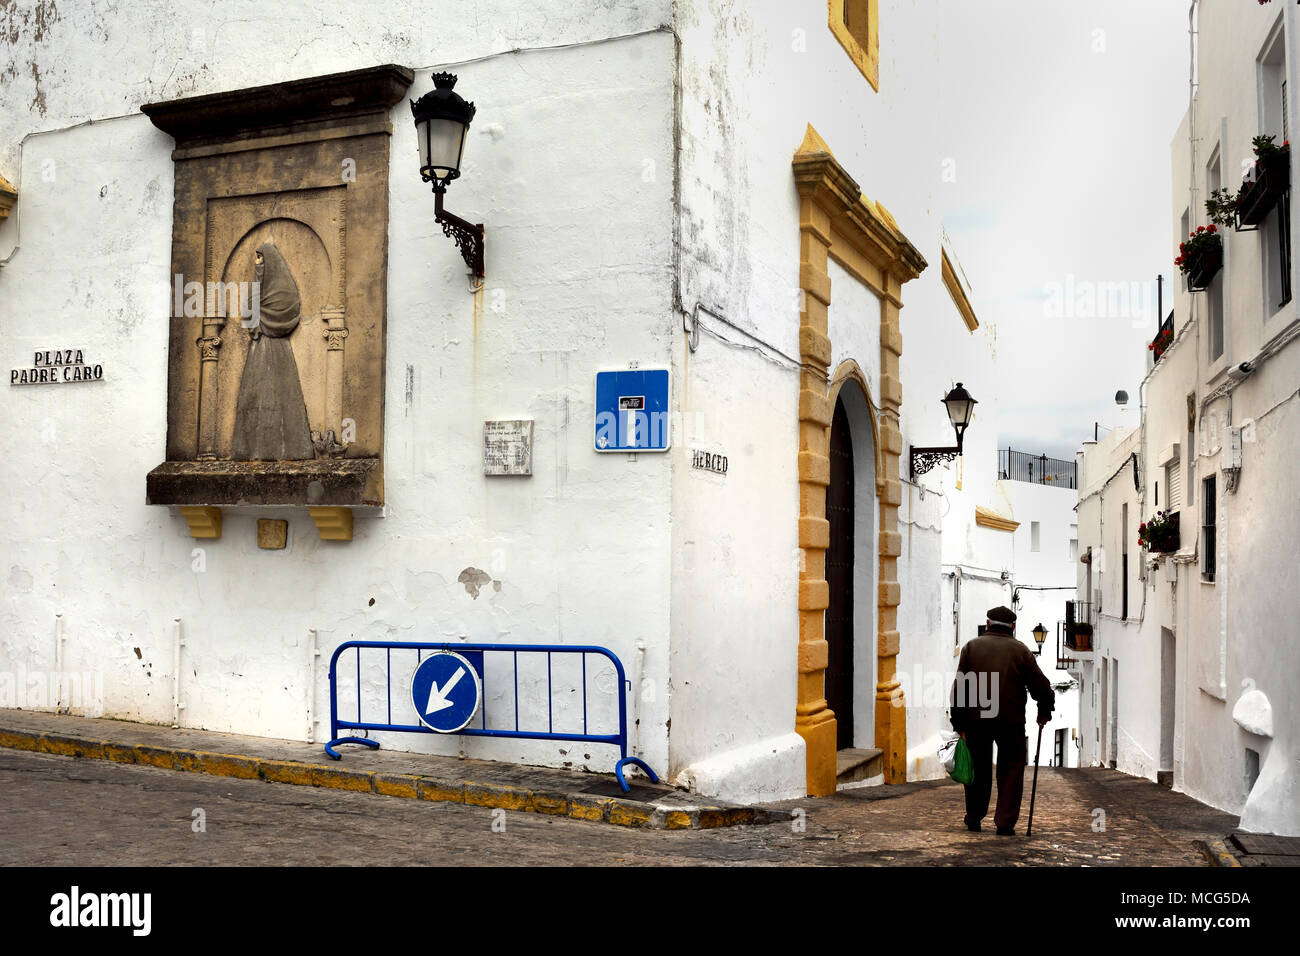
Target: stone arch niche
x,y
308,259
303,164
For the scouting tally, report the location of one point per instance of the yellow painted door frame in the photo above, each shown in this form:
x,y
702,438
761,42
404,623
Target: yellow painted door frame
x,y
836,221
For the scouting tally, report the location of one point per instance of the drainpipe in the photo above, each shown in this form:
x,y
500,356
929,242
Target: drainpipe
x,y
956,610
58,662
640,675
1191,153
312,654
1227,569
177,644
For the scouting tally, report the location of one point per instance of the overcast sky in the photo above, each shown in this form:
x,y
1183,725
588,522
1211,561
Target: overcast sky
x,y
1062,183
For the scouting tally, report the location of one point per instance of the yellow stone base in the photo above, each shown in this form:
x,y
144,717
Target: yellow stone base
x,y
891,735
818,733
272,533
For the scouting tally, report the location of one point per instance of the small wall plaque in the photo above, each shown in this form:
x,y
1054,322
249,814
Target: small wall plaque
x,y
702,460
508,447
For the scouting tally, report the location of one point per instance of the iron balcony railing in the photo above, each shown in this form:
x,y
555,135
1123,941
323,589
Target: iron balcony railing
x,y
1164,338
1070,638
1036,469
1080,612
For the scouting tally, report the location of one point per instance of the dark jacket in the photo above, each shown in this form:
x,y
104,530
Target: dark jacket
x,y
975,688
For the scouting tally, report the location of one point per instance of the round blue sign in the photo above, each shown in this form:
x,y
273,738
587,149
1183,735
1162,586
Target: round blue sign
x,y
446,692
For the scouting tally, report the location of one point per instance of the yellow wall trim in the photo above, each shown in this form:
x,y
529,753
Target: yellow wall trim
x,y
858,33
958,292
8,197
991,519
838,223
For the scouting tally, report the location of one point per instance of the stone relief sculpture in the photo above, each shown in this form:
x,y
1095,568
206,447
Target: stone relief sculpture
x,y
256,177
270,414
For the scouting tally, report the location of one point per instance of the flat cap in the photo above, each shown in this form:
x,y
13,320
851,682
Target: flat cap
x,y
1002,619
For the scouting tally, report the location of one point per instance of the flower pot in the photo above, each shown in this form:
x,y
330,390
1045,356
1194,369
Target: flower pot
x,y
1083,637
1203,268
1257,198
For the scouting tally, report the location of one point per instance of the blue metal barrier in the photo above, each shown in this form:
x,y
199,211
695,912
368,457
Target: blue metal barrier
x,y
620,739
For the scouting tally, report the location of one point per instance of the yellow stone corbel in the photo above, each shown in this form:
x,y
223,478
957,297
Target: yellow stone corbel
x,y
204,521
334,524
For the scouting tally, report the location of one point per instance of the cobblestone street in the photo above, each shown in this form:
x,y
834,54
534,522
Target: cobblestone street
x,y
69,811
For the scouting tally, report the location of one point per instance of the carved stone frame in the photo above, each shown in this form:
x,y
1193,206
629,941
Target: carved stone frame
x,y
313,156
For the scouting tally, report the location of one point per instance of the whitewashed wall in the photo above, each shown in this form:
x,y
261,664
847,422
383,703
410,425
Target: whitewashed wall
x,y
557,167
753,77
1236,635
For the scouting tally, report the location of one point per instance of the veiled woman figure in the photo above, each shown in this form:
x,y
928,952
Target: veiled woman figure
x,y
270,414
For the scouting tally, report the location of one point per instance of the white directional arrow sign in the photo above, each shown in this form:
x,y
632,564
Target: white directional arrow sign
x,y
433,682
438,695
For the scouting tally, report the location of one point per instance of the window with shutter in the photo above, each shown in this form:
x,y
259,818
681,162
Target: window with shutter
x,y
1173,486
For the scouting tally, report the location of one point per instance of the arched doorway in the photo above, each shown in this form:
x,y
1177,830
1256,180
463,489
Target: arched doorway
x,y
839,579
852,511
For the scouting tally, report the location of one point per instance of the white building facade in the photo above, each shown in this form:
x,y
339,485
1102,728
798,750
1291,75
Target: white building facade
x,y
1196,653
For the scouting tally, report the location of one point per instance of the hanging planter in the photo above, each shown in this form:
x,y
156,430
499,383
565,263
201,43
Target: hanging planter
x,y
1164,338
1201,257
1272,178
1160,534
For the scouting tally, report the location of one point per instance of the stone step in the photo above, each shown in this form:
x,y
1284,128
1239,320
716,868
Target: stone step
x,y
856,764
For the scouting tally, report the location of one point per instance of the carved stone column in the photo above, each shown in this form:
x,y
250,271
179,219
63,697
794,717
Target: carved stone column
x,y
209,349
334,334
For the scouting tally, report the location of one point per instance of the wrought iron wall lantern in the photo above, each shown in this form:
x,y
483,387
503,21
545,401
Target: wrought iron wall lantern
x,y
1040,635
961,407
442,120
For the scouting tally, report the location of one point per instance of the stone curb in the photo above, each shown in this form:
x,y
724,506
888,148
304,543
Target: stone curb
x,y
1217,852
576,806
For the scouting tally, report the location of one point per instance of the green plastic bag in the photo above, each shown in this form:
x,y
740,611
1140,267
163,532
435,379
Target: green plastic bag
x,y
963,768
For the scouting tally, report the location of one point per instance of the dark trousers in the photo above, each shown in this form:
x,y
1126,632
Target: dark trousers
x,y
1013,754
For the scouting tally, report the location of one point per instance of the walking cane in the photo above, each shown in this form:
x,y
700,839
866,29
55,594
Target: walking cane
x,y
1034,791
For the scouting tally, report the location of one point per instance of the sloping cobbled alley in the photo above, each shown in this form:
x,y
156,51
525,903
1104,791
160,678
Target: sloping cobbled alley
x,y
70,811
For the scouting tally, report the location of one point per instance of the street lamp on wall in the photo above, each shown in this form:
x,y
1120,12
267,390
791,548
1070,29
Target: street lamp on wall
x,y
1040,635
961,407
442,119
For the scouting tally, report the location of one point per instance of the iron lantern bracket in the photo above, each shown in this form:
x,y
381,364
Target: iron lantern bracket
x,y
921,460
468,236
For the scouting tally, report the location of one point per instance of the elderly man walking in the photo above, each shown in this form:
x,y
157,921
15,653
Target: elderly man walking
x,y
994,674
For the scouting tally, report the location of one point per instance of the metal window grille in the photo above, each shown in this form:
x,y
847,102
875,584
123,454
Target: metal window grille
x,y
1207,530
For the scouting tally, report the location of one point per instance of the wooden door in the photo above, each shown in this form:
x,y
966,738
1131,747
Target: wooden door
x,y
839,577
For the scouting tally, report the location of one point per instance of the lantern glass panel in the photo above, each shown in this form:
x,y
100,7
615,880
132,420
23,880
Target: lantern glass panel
x,y
440,147
958,409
